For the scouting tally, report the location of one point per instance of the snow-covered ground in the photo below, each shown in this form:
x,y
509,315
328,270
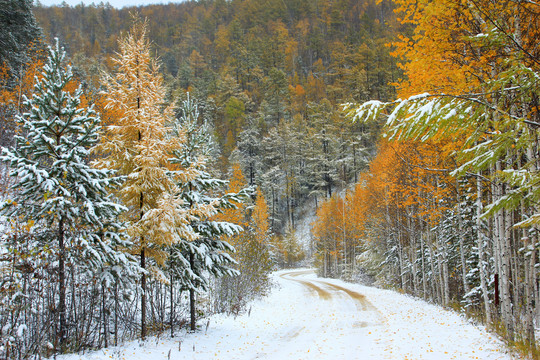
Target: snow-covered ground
x,y
306,317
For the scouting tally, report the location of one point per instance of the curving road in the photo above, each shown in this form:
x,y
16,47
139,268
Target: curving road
x,y
326,290
306,317
344,322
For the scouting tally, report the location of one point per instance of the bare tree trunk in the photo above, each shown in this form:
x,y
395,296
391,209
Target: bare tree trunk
x,y
530,258
481,250
414,268
507,276
143,296
412,248
530,269
192,296
171,294
105,317
434,288
62,285
143,266
116,313
461,242
444,273
344,237
424,279
503,248
401,265
336,266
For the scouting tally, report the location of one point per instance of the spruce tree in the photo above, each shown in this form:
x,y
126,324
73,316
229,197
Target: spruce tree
x,y
193,260
56,191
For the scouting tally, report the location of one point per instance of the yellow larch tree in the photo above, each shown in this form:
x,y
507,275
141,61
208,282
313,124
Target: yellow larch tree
x,y
260,216
137,146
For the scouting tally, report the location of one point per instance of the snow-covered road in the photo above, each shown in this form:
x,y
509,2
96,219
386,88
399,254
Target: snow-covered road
x,y
306,317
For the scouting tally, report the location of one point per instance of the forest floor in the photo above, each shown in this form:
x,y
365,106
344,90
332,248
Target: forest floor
x,y
306,317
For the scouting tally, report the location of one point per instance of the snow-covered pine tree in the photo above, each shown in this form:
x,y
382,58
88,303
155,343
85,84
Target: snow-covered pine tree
x,y
137,146
57,193
192,260
248,152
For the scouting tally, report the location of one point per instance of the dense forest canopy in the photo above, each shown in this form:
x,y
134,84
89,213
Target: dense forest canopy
x,y
340,43
182,97
19,32
268,71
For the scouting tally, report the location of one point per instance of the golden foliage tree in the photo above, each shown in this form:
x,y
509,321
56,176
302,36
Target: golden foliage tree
x,y
136,145
260,216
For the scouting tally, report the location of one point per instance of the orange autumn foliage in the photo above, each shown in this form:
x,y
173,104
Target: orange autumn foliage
x,y
447,53
237,215
259,216
404,178
436,33
13,89
411,175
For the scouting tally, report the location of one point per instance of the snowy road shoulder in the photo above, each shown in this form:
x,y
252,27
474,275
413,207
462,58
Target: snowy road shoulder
x,y
306,317
414,329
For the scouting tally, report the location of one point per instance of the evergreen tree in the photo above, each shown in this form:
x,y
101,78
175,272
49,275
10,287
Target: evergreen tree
x,y
323,155
19,29
57,192
282,158
192,260
249,153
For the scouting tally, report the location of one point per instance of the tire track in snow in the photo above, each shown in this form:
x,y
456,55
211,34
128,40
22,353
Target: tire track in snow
x,y
360,300
348,314
291,276
362,303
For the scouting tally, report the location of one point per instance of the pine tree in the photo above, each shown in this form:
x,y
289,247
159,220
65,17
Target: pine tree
x,y
136,145
193,259
249,153
58,193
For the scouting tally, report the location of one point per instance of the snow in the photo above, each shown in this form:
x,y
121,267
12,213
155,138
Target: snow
x,y
310,318
21,330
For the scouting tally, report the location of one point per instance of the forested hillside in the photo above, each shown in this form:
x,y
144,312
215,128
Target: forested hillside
x,y
270,78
